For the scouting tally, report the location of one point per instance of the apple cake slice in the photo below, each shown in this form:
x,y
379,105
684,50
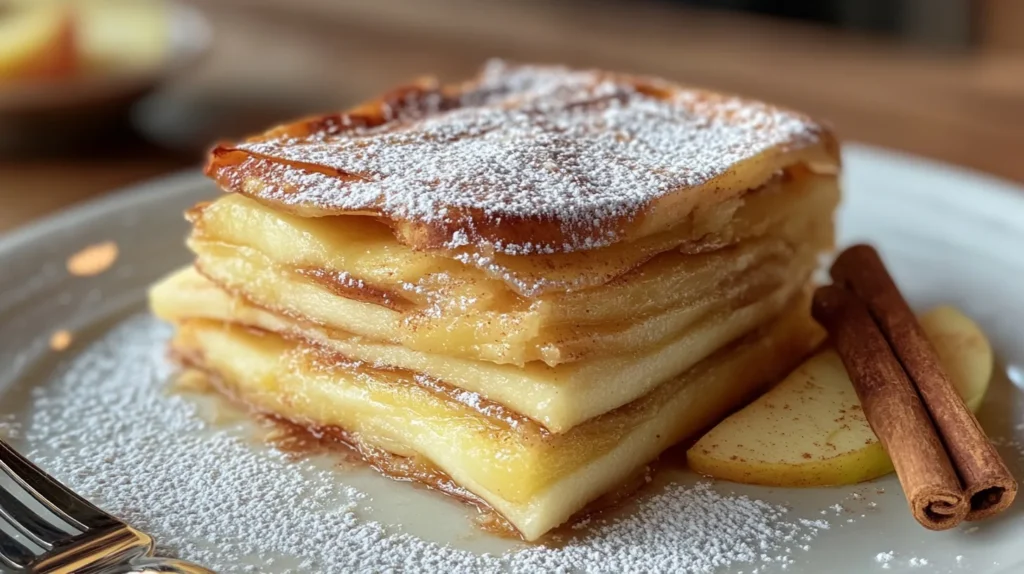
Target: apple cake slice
x,y
520,289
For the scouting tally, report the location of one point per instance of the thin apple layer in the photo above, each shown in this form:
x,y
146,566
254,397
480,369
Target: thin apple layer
x,y
535,479
635,311
558,397
367,251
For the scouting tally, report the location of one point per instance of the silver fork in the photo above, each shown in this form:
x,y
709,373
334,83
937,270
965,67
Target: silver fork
x,y
47,528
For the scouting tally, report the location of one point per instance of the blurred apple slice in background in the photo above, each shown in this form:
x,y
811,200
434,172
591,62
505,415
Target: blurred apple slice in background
x,y
122,35
37,41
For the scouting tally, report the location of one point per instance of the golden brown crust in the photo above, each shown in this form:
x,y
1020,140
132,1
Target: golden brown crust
x,y
524,159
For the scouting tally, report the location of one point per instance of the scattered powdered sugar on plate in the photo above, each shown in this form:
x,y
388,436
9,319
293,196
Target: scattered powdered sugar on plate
x,y
107,426
10,429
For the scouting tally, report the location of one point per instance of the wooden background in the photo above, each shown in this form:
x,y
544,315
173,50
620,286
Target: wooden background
x,y
273,58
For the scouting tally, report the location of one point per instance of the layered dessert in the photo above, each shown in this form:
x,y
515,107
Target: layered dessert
x,y
519,289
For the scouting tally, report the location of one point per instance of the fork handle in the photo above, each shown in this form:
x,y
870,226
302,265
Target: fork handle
x,y
147,565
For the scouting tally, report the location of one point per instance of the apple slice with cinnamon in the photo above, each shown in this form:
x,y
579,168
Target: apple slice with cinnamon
x,y
810,429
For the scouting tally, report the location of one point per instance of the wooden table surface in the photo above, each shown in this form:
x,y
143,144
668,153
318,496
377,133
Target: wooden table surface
x,y
966,109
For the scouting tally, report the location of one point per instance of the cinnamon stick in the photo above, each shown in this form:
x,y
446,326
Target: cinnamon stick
x,y
893,409
987,482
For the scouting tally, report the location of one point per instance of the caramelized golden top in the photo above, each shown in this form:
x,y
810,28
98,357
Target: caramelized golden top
x,y
524,159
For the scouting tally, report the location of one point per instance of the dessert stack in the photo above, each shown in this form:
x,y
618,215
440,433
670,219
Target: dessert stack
x,y
518,290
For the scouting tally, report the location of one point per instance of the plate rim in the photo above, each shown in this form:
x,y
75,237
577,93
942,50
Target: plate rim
x,y
120,197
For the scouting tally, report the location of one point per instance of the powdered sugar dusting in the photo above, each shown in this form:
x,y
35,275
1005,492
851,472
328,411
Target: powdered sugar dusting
x,y
585,150
107,426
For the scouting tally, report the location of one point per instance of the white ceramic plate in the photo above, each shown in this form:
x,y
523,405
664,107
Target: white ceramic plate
x,y
98,415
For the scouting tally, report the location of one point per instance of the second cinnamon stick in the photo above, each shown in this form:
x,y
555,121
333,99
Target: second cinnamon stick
x,y
893,409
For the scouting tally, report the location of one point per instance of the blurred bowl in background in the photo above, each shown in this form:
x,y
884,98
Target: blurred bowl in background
x,y
71,71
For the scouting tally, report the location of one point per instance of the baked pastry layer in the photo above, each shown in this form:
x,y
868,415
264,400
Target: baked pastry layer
x,y
525,159
350,274
557,397
535,479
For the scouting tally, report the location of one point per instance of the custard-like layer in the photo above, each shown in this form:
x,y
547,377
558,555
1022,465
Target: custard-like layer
x,y
393,294
558,397
367,251
535,479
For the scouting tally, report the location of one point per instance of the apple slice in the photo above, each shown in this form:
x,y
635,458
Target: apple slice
x,y
810,430
964,351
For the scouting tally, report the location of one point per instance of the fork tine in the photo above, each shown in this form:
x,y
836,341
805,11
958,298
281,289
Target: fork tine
x,y
14,555
53,495
28,522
